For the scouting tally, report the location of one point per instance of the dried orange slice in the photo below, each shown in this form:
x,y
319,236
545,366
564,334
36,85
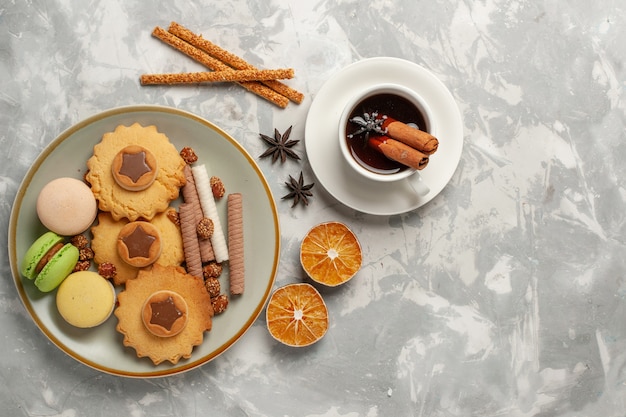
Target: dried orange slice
x,y
296,315
330,253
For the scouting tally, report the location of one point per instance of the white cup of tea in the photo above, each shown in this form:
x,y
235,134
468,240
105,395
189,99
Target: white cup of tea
x,y
360,129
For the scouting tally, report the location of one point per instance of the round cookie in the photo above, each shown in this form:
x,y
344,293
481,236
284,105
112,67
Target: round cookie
x,y
133,205
66,206
139,244
134,168
130,313
164,313
104,244
85,299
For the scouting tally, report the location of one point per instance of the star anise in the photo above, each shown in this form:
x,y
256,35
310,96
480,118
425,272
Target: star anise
x,y
280,146
299,191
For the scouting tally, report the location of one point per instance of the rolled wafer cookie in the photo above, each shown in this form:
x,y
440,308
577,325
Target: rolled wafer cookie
x,y
235,243
190,195
207,202
190,239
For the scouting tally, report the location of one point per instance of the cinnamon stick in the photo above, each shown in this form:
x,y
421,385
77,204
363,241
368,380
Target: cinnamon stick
x,y
231,59
415,138
216,65
399,152
216,76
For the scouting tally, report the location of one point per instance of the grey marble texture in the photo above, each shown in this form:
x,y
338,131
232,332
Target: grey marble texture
x,y
504,296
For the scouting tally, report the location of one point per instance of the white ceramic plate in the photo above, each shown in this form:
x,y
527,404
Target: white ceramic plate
x,y
322,145
101,347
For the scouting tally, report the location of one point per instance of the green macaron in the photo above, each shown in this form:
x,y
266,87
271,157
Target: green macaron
x,y
58,266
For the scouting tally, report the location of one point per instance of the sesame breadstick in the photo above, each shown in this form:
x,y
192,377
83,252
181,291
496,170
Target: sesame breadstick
x,y
235,243
214,64
231,59
216,76
190,240
207,201
190,195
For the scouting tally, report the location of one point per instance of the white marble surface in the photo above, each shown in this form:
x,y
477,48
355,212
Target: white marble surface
x,y
504,296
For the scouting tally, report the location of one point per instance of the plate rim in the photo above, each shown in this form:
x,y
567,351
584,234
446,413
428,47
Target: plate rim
x,y
439,89
12,234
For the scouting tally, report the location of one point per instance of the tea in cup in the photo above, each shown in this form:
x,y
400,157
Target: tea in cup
x,y
387,133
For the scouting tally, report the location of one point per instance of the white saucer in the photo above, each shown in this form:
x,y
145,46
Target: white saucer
x,y
324,154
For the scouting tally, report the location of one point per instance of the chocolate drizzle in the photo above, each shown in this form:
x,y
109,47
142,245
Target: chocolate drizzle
x,y
134,165
165,313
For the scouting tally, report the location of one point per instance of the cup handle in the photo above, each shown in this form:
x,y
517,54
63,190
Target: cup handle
x,y
417,183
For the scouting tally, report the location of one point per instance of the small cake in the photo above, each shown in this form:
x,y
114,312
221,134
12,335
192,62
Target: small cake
x,y
66,206
48,261
85,299
131,313
119,188
139,244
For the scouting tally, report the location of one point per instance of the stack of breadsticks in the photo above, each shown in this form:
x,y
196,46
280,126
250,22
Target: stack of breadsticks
x,y
224,66
405,144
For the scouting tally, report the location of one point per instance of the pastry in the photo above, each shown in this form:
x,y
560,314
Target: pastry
x,y
209,208
236,243
85,299
191,245
131,309
105,237
190,196
164,313
134,168
139,243
66,206
127,203
48,261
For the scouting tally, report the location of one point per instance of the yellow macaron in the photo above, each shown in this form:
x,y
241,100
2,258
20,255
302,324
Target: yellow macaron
x,y
85,299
